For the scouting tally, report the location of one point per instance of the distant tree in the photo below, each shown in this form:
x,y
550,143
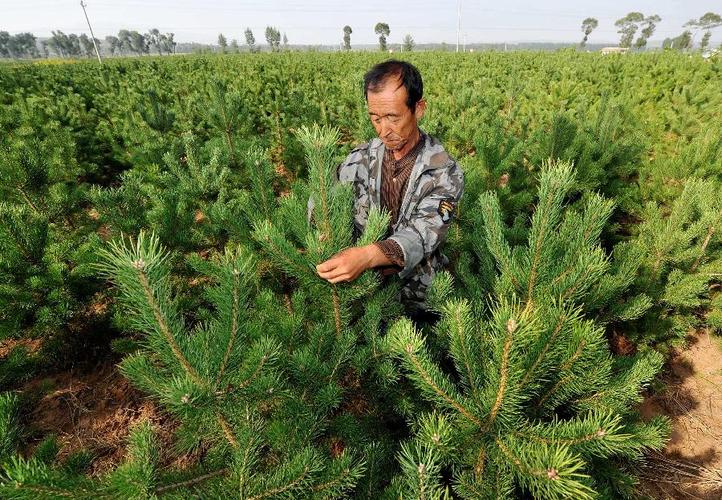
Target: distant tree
x,y
347,37
234,46
65,45
4,44
44,48
86,44
588,25
707,22
649,24
18,46
273,38
222,43
382,30
628,26
154,38
285,41
408,43
55,43
138,43
125,41
113,44
73,47
683,41
168,42
250,40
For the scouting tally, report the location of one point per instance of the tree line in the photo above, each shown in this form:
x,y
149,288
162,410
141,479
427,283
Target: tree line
x,y
636,22
132,42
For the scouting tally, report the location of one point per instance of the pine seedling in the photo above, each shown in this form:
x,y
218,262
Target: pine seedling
x,y
535,400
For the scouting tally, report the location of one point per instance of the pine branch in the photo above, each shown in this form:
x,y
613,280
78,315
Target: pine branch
x,y
282,489
419,369
511,326
459,327
562,380
336,310
234,327
703,249
160,320
28,200
190,482
227,430
530,371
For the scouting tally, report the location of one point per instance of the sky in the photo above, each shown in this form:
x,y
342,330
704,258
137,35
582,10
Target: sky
x,y
321,21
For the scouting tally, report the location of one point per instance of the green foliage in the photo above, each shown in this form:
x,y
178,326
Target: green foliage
x,y
9,430
214,167
680,246
535,402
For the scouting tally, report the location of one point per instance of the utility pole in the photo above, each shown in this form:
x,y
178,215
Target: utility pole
x,y
458,26
92,36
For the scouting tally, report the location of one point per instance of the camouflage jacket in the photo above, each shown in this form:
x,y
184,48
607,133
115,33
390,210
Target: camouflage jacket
x,y
434,189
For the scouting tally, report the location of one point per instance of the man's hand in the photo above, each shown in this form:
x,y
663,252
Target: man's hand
x,y
348,264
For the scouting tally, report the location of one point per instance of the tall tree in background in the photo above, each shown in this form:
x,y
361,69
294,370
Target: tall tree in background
x,y
18,46
648,26
273,38
707,22
113,44
155,39
87,45
125,43
250,40
285,41
234,46
382,30
222,43
683,41
588,25
169,43
408,43
138,43
4,44
347,37
628,26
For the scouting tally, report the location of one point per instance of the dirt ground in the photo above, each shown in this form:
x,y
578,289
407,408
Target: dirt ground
x,y
690,467
91,411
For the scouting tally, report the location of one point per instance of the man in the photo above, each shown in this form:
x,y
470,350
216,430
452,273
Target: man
x,y
406,172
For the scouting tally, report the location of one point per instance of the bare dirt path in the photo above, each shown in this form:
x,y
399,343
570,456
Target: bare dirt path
x,y
690,467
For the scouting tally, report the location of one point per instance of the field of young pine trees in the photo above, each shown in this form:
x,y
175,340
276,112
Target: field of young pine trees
x,y
164,334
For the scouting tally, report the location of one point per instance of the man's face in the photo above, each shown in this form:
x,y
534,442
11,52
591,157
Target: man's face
x,y
394,122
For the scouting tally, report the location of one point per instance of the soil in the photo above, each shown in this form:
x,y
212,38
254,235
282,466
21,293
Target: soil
x,y
690,467
94,411
32,346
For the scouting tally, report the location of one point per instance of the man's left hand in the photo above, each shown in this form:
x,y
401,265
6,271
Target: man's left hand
x,y
348,264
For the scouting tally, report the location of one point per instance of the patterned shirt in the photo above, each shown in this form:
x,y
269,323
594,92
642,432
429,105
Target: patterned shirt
x,y
394,180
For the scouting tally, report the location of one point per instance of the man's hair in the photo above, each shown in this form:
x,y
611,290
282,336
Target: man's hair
x,y
407,73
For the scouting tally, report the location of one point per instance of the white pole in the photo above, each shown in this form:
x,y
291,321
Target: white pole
x,y
92,36
458,26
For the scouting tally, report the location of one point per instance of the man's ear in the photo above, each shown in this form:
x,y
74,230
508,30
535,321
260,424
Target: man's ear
x,y
420,109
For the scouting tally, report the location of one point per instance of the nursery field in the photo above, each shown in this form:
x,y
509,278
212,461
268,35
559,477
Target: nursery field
x,y
163,332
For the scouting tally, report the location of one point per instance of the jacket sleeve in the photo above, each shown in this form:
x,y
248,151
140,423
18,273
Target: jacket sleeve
x,y
430,220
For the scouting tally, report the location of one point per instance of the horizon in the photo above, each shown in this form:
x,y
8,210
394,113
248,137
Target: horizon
x,y
320,22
